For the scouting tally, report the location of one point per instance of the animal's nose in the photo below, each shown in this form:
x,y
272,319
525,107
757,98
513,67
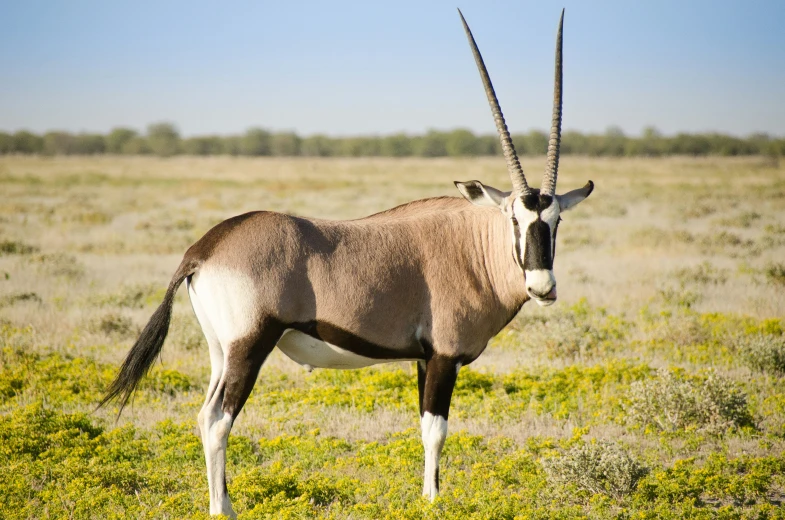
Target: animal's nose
x,y
549,292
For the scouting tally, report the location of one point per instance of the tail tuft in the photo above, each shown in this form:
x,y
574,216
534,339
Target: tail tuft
x,y
148,346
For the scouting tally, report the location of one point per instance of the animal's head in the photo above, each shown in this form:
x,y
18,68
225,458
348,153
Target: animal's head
x,y
534,213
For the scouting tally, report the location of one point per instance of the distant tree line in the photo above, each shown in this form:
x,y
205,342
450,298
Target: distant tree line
x,y
163,139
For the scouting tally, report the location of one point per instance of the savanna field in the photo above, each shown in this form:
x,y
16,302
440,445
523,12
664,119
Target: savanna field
x,y
652,389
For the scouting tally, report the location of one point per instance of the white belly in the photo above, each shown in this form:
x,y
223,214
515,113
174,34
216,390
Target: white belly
x,y
313,353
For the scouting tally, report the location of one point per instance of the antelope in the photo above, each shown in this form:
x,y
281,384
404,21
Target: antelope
x,y
431,281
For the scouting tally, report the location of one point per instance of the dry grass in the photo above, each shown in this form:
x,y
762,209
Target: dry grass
x,y
85,243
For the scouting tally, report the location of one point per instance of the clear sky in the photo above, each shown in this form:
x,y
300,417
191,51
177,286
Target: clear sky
x,y
363,67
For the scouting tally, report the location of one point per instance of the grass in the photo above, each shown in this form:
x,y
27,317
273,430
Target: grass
x,y
652,389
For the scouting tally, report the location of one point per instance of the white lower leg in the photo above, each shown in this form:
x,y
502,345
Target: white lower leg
x,y
434,432
215,426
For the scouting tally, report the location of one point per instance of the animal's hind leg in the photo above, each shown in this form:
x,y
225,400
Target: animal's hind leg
x,y
210,412
216,352
241,363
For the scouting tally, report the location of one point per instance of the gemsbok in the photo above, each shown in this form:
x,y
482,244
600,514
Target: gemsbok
x,y
431,281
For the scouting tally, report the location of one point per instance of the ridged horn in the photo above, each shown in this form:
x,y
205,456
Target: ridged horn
x,y
552,165
519,185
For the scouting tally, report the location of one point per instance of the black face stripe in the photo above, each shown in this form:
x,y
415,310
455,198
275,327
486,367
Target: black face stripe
x,y
540,242
538,247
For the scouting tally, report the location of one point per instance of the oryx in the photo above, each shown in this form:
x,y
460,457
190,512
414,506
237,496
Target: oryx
x,y
430,281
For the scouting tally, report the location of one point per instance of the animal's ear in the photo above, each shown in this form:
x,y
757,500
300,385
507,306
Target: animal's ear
x,y
481,195
572,198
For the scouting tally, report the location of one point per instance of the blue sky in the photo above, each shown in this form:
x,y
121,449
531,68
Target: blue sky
x,y
346,68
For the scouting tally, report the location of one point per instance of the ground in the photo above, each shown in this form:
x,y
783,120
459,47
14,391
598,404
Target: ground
x,y
653,388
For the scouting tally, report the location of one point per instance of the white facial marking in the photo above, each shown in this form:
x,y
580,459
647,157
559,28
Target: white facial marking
x,y
434,432
541,285
541,282
550,215
523,215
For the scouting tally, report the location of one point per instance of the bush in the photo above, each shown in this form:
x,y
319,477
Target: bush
x,y
775,273
14,298
15,247
134,296
671,402
114,325
764,352
701,274
597,467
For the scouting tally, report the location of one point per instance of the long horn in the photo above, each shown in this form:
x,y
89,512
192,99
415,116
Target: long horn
x,y
552,166
519,185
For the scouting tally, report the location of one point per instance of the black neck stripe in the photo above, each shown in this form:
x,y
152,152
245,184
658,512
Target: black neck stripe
x,y
516,253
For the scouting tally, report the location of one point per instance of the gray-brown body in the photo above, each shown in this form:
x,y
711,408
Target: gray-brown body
x,y
432,276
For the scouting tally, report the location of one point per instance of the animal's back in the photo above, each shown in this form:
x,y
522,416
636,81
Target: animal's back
x,y
366,276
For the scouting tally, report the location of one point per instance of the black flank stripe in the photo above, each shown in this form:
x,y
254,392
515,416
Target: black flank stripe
x,y
339,337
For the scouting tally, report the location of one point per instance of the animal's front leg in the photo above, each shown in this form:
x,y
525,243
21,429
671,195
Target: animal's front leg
x,y
440,375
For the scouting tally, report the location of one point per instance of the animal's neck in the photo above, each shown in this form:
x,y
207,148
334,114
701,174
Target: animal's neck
x,y
504,273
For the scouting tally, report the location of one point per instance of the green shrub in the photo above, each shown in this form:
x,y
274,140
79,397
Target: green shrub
x,y
680,297
135,296
170,382
113,325
763,352
596,467
703,274
684,489
743,220
775,273
16,247
671,401
14,298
